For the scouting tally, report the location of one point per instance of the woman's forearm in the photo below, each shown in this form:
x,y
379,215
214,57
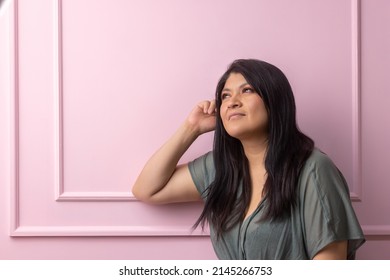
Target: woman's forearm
x,y
160,167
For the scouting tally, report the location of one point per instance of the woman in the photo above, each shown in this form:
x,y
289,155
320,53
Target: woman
x,y
268,192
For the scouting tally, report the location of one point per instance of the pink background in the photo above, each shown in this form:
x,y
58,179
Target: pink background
x,y
90,89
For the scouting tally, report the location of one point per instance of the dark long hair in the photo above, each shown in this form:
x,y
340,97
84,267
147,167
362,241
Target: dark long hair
x,y
288,148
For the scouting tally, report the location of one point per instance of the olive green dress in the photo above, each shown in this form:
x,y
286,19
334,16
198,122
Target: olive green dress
x,y
323,214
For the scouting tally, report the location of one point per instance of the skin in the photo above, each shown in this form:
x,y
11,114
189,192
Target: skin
x,y
244,117
243,112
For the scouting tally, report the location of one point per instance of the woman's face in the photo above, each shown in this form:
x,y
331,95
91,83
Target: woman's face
x,y
242,110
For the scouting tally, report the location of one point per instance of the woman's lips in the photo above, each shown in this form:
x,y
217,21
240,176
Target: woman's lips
x,y
235,115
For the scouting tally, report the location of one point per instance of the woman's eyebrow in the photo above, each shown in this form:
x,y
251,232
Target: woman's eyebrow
x,y
241,86
244,84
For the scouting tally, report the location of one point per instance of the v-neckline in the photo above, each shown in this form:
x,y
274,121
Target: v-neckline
x,y
254,212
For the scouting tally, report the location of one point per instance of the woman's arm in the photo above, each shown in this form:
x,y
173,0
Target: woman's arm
x,y
161,180
334,251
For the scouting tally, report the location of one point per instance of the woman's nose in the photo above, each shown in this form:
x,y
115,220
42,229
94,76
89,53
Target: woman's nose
x,y
234,101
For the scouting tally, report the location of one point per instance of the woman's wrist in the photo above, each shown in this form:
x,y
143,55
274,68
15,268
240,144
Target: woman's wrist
x,y
190,131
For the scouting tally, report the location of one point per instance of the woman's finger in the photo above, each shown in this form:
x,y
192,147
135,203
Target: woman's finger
x,y
212,106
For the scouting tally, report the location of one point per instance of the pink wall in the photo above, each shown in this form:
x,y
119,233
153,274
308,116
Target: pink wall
x,y
89,90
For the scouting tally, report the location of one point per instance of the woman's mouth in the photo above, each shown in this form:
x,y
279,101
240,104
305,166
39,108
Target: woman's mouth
x,y
236,115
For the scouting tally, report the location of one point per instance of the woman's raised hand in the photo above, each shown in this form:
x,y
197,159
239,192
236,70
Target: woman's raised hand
x,y
202,118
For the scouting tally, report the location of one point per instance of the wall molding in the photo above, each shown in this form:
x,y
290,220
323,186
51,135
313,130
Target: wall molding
x,y
16,229
60,193
14,119
356,193
376,230
95,196
41,231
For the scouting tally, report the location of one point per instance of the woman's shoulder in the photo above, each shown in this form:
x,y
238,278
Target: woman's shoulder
x,y
205,161
318,160
321,174
202,171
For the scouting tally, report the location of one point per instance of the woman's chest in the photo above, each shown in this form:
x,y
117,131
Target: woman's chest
x,y
255,239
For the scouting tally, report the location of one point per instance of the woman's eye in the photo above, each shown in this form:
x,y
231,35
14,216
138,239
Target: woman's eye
x,y
248,90
224,96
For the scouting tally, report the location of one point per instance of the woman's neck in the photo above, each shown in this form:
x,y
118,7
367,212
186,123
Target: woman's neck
x,y
255,151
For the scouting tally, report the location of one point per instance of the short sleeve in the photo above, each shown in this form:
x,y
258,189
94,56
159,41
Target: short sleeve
x,y
202,171
326,208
